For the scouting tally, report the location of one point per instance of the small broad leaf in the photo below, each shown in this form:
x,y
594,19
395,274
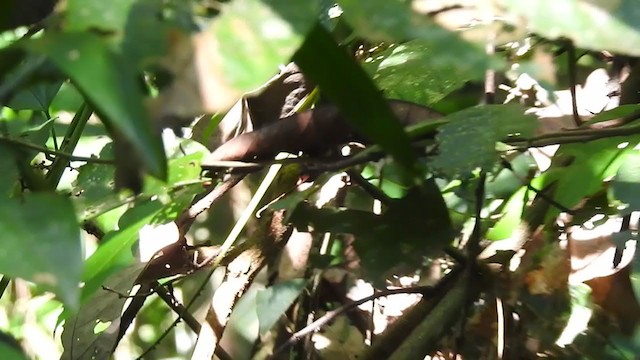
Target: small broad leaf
x,y
182,170
469,140
626,184
94,188
583,20
42,243
273,301
111,86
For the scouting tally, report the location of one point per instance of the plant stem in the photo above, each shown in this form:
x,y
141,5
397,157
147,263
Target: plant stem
x,y
69,143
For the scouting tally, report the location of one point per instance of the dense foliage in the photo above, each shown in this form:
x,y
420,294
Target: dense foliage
x,y
319,180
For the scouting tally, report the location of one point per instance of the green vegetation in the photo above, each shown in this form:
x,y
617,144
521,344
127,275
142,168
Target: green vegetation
x,y
253,179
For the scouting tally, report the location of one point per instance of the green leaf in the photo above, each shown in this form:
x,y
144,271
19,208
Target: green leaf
x,y
511,216
8,352
42,243
37,97
349,87
95,14
508,181
592,163
469,140
111,86
149,31
418,71
255,37
395,22
91,332
273,301
94,188
115,251
413,227
615,113
626,184
67,99
393,180
583,22
183,170
9,175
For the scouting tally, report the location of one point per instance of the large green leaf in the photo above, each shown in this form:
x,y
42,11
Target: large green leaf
x,y
394,22
96,14
414,71
41,243
349,87
469,140
255,37
597,25
111,86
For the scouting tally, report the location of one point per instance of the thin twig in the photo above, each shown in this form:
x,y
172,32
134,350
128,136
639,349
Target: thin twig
x,y
573,136
331,315
167,296
219,351
369,188
541,193
48,151
204,202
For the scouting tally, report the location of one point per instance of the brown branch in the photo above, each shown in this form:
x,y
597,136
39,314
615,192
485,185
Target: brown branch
x,y
571,55
440,320
387,342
